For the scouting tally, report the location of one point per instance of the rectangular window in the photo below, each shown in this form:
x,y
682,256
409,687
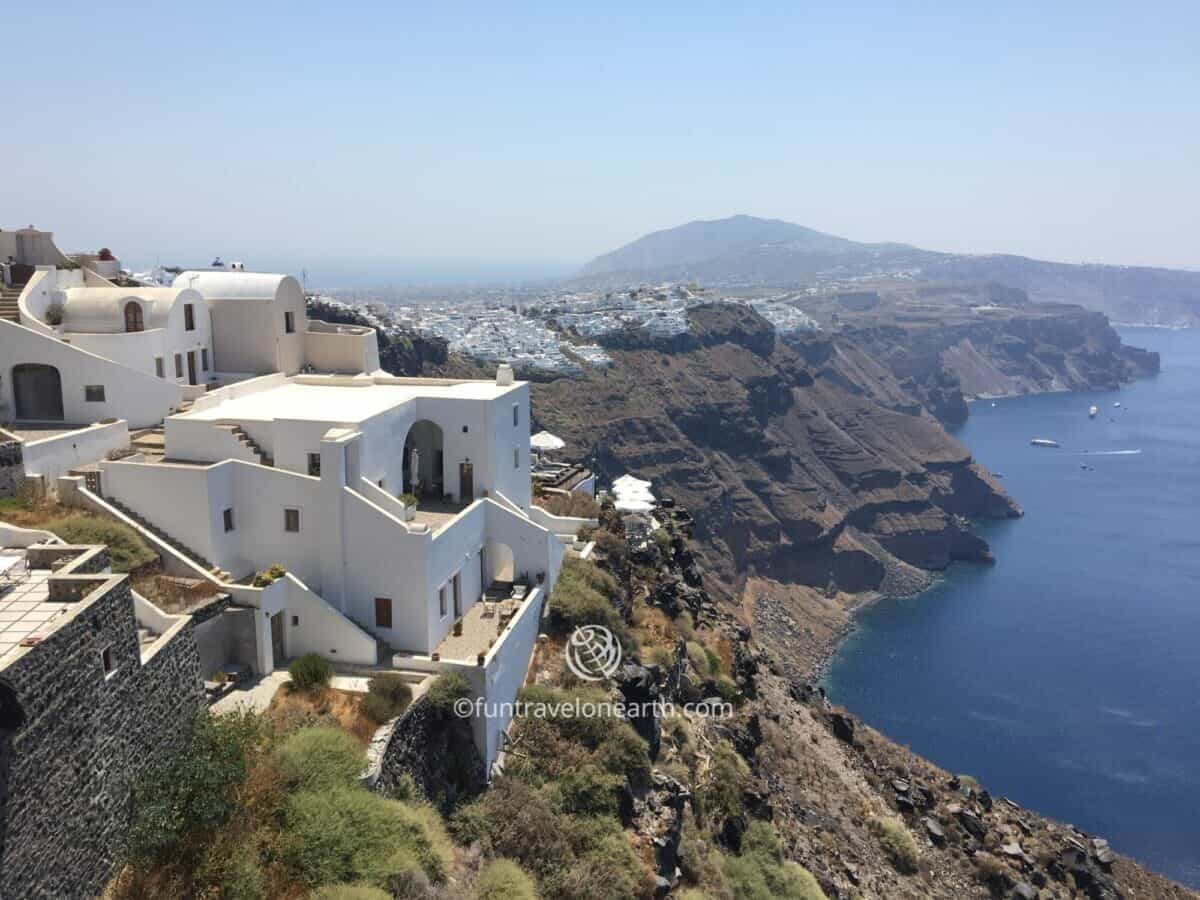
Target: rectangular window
x,y
227,518
107,662
178,365
383,612
204,359
289,322
189,317
291,520
442,601
516,458
93,393
314,464
295,621
516,414
159,369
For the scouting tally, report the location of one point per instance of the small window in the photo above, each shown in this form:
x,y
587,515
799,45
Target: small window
x,y
516,414
107,661
178,365
289,322
93,393
204,359
227,518
466,429
442,601
295,621
291,520
383,612
159,368
133,317
189,317
314,464
516,457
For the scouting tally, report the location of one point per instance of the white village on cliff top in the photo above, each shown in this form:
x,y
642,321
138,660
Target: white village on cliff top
x,y
384,523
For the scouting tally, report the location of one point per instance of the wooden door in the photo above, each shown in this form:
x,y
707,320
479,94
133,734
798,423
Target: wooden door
x,y
277,638
191,367
466,482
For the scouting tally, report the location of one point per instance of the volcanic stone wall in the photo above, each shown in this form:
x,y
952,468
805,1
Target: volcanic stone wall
x,y
12,466
74,740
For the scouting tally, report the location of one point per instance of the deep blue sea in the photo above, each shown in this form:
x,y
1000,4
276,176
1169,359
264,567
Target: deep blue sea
x,y
1067,675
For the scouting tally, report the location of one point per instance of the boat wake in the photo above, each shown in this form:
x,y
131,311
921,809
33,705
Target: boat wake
x,y
1112,452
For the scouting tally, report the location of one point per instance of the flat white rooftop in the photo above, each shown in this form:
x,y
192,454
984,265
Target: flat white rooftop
x,y
339,402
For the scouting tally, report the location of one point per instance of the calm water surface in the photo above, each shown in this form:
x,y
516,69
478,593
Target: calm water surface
x,y
1066,676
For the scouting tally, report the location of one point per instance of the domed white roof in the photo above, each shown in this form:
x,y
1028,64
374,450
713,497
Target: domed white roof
x,y
94,310
236,285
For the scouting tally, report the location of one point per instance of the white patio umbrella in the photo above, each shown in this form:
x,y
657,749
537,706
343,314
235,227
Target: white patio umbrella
x,y
633,505
544,440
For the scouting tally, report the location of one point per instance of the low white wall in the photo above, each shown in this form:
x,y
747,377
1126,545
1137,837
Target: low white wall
x,y
55,456
561,524
201,440
150,616
330,349
239,389
313,626
13,536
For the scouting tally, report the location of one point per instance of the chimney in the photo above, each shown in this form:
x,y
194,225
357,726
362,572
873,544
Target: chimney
x,y
504,375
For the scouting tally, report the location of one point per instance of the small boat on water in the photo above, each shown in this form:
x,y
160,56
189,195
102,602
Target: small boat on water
x,y
1044,442
1092,411
1117,405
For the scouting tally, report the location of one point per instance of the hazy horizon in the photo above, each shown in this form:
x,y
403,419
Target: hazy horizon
x,y
367,144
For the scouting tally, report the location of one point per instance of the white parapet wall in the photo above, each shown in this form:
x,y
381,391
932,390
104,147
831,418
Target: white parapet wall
x,y
55,456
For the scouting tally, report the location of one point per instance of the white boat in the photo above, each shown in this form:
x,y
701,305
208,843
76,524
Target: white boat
x,y
1044,442
1092,411
1117,404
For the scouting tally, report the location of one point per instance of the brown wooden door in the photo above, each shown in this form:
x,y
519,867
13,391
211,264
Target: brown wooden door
x,y
191,367
277,638
466,482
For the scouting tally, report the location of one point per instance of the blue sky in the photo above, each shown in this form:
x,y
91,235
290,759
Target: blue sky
x,y
402,139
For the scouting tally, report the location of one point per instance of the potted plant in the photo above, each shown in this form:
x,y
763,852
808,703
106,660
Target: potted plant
x,y
410,506
458,627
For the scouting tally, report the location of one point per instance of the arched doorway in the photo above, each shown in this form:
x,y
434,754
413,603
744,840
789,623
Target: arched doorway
x,y
37,391
423,447
498,564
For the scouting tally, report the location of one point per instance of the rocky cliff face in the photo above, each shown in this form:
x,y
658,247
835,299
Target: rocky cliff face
x,y
808,463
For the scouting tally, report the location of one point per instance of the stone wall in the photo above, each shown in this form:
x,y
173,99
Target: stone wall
x,y
12,466
73,741
435,748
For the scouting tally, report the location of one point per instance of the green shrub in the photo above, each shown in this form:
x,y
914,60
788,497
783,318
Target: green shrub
x,y
623,752
590,791
503,879
720,797
316,758
350,892
605,865
761,872
127,551
310,672
233,867
349,834
388,695
194,791
408,499
897,843
583,595
727,689
447,688
269,575
516,820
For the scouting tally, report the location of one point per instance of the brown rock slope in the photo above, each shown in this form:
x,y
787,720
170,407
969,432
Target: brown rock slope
x,y
804,464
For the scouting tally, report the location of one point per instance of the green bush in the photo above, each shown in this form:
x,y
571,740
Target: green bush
x,y
193,791
233,867
447,688
349,834
516,820
720,797
761,872
310,672
897,843
623,752
388,695
350,892
316,758
503,879
583,595
590,791
127,551
269,575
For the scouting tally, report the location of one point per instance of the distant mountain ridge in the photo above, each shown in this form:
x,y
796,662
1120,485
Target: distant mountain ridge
x,y
746,251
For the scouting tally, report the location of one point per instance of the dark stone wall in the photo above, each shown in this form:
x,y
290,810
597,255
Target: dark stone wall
x,y
437,750
12,468
83,740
